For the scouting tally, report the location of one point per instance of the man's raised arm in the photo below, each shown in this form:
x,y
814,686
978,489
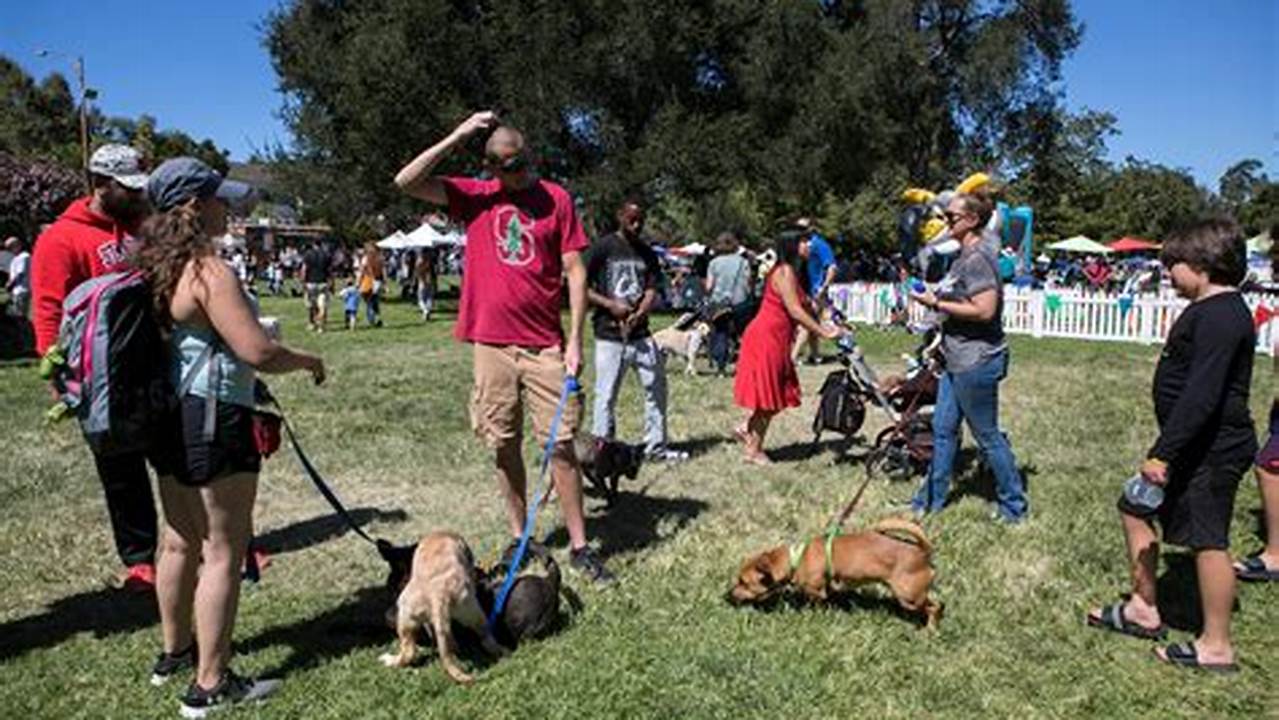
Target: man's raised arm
x,y
416,178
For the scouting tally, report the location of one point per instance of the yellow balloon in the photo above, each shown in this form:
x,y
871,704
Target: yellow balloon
x,y
973,182
918,196
931,229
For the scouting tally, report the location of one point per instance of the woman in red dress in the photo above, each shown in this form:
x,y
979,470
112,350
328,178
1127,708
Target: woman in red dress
x,y
766,381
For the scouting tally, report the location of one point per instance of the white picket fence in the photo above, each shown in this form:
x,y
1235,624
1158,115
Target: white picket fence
x,y
1065,313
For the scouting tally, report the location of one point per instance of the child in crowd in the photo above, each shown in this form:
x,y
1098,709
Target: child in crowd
x,y
351,302
1206,443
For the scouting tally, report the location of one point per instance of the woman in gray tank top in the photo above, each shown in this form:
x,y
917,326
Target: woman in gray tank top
x,y
208,506
970,298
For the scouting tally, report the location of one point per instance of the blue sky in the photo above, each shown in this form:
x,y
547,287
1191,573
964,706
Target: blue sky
x,y
1194,84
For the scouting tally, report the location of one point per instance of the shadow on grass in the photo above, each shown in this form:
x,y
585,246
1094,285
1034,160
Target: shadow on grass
x,y
799,451
103,612
632,523
844,601
1259,527
971,476
316,530
1178,593
355,624
359,623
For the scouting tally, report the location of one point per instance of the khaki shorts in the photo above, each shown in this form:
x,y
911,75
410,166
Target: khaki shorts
x,y
317,296
506,378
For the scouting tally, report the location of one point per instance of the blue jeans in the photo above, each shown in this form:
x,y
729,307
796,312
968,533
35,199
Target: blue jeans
x,y
973,395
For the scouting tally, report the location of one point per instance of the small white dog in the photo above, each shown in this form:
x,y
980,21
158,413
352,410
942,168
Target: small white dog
x,y
686,343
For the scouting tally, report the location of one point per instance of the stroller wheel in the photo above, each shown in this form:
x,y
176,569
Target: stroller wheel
x,y
892,459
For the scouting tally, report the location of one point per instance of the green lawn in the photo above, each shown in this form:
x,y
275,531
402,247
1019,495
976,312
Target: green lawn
x,y
390,430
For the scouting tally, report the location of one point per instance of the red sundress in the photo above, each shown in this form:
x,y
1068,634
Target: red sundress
x,y
766,377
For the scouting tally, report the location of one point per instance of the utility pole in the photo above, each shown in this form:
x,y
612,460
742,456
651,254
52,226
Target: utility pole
x,y
86,94
84,124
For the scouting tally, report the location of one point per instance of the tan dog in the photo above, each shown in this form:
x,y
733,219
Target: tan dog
x,y
863,557
685,343
440,588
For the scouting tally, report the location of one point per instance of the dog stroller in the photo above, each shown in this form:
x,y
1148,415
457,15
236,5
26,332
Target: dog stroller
x,y
905,447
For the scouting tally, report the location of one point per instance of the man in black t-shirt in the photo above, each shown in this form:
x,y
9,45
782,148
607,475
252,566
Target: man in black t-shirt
x,y
317,284
622,275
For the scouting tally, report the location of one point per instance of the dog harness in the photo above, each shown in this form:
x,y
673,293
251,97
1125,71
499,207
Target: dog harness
x,y
797,551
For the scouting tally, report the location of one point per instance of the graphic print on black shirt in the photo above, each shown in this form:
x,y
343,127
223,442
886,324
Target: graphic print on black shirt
x,y
621,270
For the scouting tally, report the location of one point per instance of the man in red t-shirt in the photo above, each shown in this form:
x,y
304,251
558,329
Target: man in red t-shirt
x,y
93,237
522,237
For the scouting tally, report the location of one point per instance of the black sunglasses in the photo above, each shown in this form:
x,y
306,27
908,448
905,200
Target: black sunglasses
x,y
952,218
513,164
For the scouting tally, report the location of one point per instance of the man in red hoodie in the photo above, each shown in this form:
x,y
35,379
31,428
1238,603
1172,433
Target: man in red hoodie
x,y
92,237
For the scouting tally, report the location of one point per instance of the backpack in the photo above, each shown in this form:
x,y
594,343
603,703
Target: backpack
x,y
110,364
840,409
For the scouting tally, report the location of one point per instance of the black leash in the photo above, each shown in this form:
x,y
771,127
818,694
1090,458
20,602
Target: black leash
x,y
264,395
838,521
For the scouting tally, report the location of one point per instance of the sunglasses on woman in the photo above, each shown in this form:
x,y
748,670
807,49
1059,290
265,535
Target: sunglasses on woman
x,y
952,218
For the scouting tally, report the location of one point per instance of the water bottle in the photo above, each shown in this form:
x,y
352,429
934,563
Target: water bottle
x,y
1142,493
918,286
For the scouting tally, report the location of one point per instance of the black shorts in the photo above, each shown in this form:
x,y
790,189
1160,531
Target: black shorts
x,y
1197,506
231,451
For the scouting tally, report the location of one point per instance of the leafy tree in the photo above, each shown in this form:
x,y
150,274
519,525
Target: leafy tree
x,y
1240,183
748,109
32,193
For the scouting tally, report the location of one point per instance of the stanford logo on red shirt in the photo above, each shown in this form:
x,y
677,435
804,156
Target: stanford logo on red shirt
x,y
514,236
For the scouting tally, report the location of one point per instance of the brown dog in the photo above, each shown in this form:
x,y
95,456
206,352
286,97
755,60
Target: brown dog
x,y
440,588
868,556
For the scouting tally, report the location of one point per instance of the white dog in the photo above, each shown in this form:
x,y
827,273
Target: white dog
x,y
686,343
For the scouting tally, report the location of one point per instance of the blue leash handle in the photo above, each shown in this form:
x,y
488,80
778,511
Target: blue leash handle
x,y
570,386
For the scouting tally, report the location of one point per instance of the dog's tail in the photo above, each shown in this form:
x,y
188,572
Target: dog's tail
x,y
902,525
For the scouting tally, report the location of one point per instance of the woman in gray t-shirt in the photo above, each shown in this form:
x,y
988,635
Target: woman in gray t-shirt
x,y
970,298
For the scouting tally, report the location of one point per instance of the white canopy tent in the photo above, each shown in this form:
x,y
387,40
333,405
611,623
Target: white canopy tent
x,y
1081,244
427,236
394,241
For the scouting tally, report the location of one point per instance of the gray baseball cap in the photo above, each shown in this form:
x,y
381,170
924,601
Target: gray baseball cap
x,y
121,163
178,180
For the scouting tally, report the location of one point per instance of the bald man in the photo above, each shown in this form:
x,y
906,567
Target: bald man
x,y
522,238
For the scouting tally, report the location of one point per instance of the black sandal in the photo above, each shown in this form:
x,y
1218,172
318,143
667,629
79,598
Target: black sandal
x,y
1187,656
1254,569
1112,620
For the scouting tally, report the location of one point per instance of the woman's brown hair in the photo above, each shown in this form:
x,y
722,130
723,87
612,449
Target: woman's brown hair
x,y
979,204
170,240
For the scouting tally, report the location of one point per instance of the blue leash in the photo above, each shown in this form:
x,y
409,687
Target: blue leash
x,y
570,386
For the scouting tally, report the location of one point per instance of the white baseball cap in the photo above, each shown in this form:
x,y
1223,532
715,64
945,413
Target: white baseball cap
x,y
120,163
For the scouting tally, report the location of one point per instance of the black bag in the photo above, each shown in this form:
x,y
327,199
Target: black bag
x,y
841,409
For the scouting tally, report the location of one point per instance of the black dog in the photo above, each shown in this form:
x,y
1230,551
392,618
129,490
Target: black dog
x,y
532,606
605,462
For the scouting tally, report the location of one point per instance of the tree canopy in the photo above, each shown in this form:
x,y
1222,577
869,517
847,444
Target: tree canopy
x,y
749,110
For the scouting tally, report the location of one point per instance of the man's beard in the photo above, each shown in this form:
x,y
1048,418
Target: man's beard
x,y
124,209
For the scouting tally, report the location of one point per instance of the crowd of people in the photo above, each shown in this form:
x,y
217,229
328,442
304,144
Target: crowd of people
x,y
526,248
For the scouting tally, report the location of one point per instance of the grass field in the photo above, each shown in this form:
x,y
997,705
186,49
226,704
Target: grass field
x,y
390,431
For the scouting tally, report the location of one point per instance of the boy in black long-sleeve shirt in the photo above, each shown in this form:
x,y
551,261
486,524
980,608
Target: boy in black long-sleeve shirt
x,y
1206,442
